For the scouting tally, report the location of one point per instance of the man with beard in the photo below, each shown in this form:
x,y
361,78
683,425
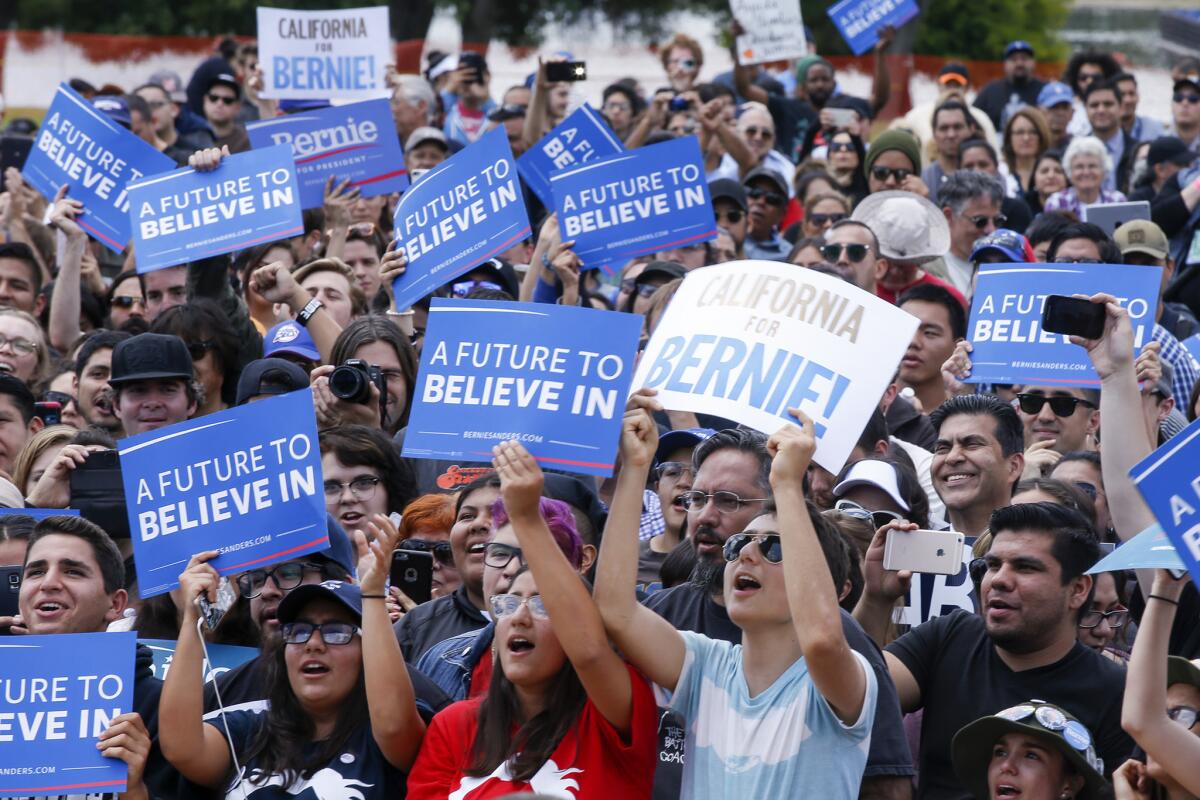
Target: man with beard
x,y
961,666
1017,88
731,484
93,367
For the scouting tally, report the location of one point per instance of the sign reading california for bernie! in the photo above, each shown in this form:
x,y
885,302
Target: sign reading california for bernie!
x,y
553,377
578,139
53,706
747,340
356,142
633,203
83,148
1005,330
245,481
187,215
1169,481
317,55
458,215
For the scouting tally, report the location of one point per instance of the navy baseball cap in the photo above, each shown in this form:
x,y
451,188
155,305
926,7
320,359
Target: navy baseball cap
x,y
671,441
1054,93
270,376
1018,46
1010,244
115,108
343,593
296,106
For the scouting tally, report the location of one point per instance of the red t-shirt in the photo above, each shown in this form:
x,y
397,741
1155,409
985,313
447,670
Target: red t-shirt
x,y
592,760
890,296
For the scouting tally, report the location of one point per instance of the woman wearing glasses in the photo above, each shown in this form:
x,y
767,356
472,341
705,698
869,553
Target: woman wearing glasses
x,y
562,710
23,352
363,475
1104,625
1087,163
342,714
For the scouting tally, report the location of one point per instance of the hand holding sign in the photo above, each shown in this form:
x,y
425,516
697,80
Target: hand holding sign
x,y
127,739
208,159
197,580
62,217
521,479
391,267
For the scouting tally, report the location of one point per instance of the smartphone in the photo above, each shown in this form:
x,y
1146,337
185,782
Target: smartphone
x,y
99,493
559,71
475,61
1178,574
932,552
10,588
843,117
412,573
14,149
1073,316
49,411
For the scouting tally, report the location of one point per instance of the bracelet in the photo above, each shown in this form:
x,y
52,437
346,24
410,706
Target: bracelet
x,y
546,260
374,597
1164,599
391,313
307,312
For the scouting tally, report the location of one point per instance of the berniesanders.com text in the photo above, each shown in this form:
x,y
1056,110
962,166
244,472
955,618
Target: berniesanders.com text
x,y
524,437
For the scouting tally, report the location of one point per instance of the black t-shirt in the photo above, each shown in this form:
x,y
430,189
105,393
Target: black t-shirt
x,y
793,119
360,771
961,679
999,94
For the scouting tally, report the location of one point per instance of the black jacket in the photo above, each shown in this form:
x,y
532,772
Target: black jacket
x,y
430,623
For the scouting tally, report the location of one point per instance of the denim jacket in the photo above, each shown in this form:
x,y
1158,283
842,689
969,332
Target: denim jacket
x,y
449,663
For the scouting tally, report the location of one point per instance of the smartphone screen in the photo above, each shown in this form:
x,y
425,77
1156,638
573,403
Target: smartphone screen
x,y
1073,316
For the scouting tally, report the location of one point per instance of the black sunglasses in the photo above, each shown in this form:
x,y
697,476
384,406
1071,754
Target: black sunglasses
x,y
980,222
222,98
854,252
826,219
440,550
771,198
1062,406
1185,97
881,174
839,147
198,349
768,544
125,301
734,215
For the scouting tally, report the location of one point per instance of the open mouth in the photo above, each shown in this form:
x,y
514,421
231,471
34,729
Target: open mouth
x,y
50,607
1004,790
519,644
351,517
314,668
744,583
957,478
6,367
477,549
677,503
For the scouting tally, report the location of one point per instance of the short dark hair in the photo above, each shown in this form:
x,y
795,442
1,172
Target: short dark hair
x,y
1103,85
22,397
108,557
488,480
1075,546
1109,252
1064,493
834,546
23,252
932,293
875,430
842,223
1046,226
98,340
972,144
750,442
1009,432
362,446
951,104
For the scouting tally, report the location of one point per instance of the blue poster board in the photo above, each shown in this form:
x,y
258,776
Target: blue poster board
x,y
1169,480
578,139
356,141
1009,345
859,21
60,693
185,215
245,481
83,148
458,215
554,377
633,203
39,513
221,657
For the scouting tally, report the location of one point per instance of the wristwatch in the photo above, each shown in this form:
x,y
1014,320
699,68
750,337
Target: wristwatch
x,y
307,312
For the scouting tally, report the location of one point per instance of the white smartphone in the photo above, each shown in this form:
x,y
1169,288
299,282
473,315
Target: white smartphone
x,y
843,117
932,552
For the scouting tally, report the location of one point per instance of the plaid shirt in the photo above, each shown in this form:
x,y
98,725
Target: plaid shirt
x,y
1184,369
652,523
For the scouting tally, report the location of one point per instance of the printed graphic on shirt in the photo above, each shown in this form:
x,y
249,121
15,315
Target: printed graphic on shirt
x,y
549,780
325,784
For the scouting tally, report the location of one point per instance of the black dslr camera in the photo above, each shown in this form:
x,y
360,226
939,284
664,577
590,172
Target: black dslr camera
x,y
352,381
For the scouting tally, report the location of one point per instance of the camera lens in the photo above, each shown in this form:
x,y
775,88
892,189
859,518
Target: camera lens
x,y
350,383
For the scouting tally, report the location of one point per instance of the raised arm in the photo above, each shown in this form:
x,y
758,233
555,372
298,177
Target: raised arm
x,y
72,241
577,622
338,199
195,748
391,700
535,116
1144,709
649,642
881,85
811,596
277,285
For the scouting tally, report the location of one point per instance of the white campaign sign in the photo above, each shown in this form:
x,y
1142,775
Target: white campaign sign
x,y
747,340
774,30
319,55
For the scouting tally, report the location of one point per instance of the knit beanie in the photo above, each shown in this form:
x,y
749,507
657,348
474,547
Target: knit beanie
x,y
894,139
806,63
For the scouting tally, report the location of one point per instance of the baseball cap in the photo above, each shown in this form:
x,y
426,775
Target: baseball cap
x,y
1180,670
500,271
1010,244
171,83
1018,46
290,337
971,749
115,108
345,594
296,106
269,376
1054,93
150,356
1170,150
770,174
728,189
226,79
426,134
954,72
657,269
671,441
1189,80
871,472
1142,236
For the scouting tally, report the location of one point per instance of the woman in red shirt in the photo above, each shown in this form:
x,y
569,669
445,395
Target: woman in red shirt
x,y
564,715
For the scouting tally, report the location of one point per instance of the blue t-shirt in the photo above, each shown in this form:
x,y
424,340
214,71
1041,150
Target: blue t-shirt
x,y
785,740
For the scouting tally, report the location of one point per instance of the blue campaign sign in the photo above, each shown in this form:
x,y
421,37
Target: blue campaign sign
x,y
221,657
859,21
356,141
185,215
578,139
1169,480
1192,345
1005,330
458,215
554,377
245,481
1150,549
39,513
83,148
633,203
54,706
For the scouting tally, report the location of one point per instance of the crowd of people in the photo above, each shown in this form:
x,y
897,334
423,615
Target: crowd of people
x,y
715,620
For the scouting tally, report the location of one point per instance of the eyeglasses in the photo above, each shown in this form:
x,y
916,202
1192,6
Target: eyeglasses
x,y
685,63
1070,260
287,576
854,252
499,556
464,288
1061,405
980,222
338,633
826,219
881,174
198,349
442,551
771,198
877,518
1184,97
505,605
617,107
1184,715
362,229
155,105
1116,618
362,488
733,216
646,289
768,545
222,98
62,398
726,502
20,346
841,147
127,301
756,132
673,470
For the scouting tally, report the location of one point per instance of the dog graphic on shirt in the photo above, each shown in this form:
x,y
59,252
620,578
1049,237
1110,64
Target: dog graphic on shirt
x,y
326,784
549,780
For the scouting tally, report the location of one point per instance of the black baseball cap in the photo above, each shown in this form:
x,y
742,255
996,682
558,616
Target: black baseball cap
x,y
728,189
270,376
150,356
224,78
768,173
1169,150
658,269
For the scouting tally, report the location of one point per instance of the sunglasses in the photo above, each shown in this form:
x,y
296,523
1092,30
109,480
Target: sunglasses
x,y
1184,97
841,147
980,222
756,132
826,219
877,518
686,63
881,174
854,252
768,545
1061,406
771,198
646,289
338,633
734,216
127,301
440,550
227,100
198,349
1184,715
505,605
464,288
